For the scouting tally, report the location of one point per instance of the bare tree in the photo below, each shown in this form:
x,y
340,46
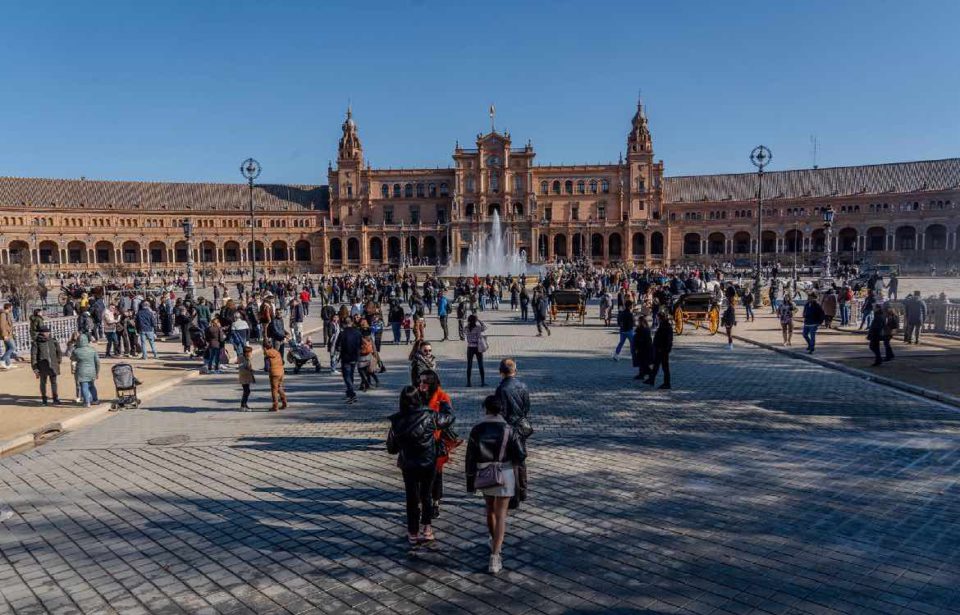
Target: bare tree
x,y
19,281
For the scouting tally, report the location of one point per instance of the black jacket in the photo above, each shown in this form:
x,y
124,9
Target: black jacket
x,y
663,339
626,320
411,435
875,332
642,347
514,399
349,344
484,444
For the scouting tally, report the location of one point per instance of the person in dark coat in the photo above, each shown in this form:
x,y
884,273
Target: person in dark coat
x,y
875,333
662,345
495,441
642,349
45,357
412,439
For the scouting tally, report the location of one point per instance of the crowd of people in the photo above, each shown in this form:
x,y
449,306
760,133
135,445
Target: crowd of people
x,y
357,309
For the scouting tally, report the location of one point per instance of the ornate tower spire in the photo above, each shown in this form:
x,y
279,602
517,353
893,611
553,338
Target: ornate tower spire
x,y
350,148
639,139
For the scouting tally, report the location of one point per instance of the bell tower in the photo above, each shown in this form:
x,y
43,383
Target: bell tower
x,y
346,187
643,174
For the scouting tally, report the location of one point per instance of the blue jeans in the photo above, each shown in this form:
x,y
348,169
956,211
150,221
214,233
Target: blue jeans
x,y
748,309
113,343
844,314
148,336
212,359
347,370
88,391
867,318
810,335
7,352
624,336
396,331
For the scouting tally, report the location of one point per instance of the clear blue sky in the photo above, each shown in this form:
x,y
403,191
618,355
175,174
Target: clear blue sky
x,y
184,91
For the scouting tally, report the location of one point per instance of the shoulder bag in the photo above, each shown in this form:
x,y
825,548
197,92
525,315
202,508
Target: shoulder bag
x,y
482,344
492,475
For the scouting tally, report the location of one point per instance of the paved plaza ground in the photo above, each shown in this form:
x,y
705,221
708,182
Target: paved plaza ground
x,y
759,484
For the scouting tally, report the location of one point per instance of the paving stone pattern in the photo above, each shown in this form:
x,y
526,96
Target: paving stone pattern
x,y
759,484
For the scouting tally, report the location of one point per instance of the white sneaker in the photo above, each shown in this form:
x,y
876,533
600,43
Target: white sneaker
x,y
5,513
616,357
496,563
730,346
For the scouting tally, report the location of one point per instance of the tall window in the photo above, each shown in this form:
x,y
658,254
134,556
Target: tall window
x,y
349,189
556,187
581,187
444,191
432,190
494,181
593,186
388,214
441,215
517,183
548,213
420,190
575,212
568,187
471,186
408,190
415,215
396,191
640,184
605,186
543,188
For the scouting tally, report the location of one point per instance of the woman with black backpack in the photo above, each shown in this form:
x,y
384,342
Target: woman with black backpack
x,y
411,437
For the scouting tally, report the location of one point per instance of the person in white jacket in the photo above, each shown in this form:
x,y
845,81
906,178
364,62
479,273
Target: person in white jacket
x,y
110,323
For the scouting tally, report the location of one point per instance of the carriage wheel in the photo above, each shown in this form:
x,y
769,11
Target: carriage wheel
x,y
62,298
678,321
713,320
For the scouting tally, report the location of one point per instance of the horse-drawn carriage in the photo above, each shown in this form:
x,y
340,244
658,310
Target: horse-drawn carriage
x,y
697,309
568,302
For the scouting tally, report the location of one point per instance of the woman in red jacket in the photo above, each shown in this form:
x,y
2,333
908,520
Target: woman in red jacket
x,y
448,440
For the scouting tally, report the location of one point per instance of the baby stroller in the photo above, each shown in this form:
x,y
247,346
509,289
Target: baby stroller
x,y
302,354
126,385
198,341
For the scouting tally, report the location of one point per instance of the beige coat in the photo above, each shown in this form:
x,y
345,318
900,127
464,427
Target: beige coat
x,y
245,370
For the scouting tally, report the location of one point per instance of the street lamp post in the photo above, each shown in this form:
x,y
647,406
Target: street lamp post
x,y
760,157
543,244
188,235
251,171
828,222
796,237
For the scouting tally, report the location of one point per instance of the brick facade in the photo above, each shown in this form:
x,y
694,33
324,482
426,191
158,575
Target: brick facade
x,y
372,218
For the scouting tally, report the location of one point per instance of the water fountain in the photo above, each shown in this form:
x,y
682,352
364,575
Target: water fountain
x,y
493,254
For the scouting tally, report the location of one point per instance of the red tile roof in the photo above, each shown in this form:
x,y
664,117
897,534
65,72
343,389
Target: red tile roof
x,y
157,196
894,178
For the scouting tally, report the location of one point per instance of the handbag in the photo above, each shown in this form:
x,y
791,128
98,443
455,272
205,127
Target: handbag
x,y
524,428
492,475
482,344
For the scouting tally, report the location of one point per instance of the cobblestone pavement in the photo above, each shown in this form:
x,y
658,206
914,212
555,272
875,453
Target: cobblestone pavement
x,y
758,484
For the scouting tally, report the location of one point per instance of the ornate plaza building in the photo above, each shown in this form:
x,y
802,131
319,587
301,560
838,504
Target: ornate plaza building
x,y
907,213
